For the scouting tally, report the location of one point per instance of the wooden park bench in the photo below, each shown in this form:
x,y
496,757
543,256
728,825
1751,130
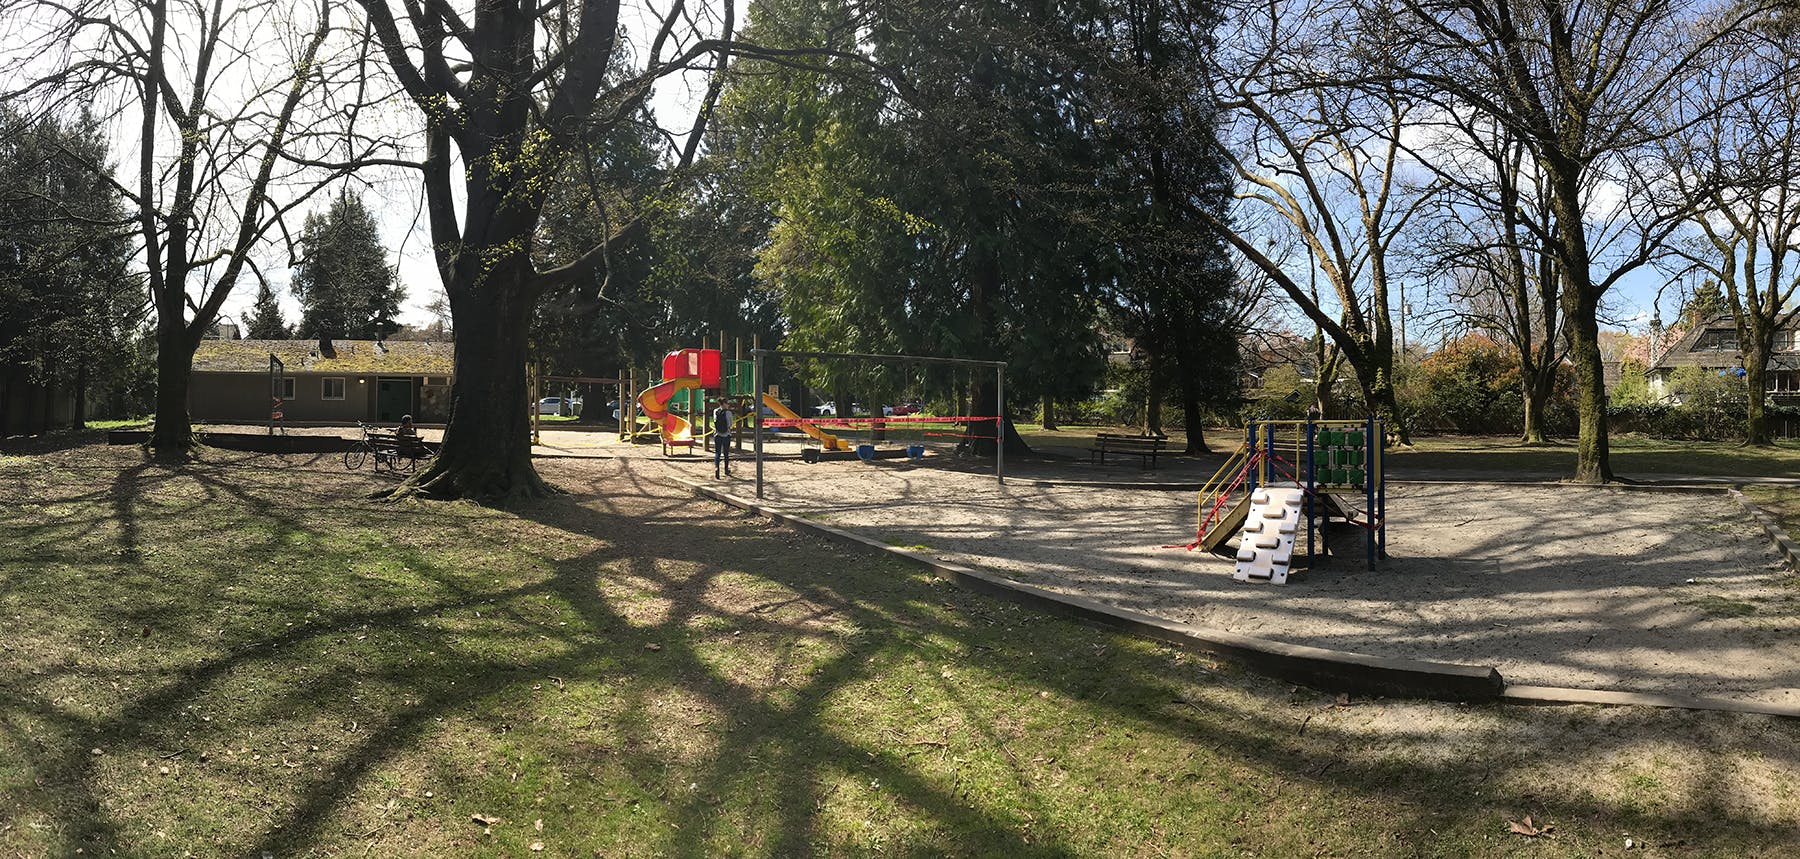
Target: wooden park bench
x,y
388,449
1144,447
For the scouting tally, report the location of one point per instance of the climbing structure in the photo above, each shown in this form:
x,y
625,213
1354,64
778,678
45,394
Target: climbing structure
x,y
1266,544
1288,474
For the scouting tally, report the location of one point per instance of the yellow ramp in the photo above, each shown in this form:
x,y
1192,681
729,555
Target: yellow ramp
x,y
1228,525
829,441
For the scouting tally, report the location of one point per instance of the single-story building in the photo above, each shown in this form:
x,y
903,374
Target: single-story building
x,y
325,381
1713,347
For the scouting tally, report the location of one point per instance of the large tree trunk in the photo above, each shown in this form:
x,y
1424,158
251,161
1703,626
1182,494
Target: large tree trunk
x,y
983,432
486,453
1049,412
1581,308
1592,457
1154,399
1756,418
1193,416
172,436
1330,361
1535,386
1376,379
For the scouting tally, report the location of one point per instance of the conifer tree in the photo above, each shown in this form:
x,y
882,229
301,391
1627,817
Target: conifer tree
x,y
265,321
345,285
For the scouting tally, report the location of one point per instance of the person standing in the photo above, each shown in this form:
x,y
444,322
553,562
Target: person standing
x,y
722,419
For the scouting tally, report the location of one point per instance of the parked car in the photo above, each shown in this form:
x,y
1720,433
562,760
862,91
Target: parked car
x,y
826,409
559,406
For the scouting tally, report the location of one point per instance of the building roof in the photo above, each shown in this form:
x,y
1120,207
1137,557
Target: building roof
x,y
1684,354
353,357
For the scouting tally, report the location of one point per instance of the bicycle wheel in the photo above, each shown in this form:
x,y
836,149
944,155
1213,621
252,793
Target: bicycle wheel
x,y
353,458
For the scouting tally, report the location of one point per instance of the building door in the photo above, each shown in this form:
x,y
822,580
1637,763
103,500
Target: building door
x,y
393,399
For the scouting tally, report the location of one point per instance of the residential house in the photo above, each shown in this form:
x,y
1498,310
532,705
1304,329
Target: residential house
x,y
321,381
1713,347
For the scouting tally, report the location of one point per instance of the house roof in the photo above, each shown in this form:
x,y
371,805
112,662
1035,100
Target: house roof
x,y
353,357
1683,353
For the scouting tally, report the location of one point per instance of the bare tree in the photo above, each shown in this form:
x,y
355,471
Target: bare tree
x,y
1737,173
1585,88
235,115
1322,150
512,88
1490,231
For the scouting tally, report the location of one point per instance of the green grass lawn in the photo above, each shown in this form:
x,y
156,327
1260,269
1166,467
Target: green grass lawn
x,y
1630,455
125,423
243,655
1782,502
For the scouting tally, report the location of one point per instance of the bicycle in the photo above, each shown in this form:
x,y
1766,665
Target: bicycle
x,y
360,450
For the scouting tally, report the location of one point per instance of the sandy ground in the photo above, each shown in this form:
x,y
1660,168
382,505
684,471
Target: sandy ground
x,y
1564,586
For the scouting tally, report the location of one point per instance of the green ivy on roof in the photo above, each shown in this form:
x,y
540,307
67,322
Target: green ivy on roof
x,y
352,357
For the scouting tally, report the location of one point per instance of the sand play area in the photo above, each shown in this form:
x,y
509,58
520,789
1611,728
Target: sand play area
x,y
1598,588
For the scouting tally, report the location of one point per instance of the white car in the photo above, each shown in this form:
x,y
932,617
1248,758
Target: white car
x,y
558,406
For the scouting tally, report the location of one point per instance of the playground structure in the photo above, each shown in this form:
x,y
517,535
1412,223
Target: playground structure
x,y
1286,473
689,377
877,420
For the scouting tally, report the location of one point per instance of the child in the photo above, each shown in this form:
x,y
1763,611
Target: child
x,y
722,419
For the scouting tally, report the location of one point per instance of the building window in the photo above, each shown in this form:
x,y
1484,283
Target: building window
x,y
1722,339
287,388
334,389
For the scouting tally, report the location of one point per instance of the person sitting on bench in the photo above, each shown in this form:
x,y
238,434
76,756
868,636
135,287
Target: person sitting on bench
x,y
405,434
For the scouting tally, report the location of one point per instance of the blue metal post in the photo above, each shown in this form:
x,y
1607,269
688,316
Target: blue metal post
x,y
1268,452
1252,469
1381,491
1369,486
1311,493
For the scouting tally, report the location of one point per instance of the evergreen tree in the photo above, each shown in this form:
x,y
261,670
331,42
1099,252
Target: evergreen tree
x,y
265,321
69,309
1024,167
952,217
344,283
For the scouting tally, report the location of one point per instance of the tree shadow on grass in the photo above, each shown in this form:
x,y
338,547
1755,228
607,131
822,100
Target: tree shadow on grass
x,y
737,610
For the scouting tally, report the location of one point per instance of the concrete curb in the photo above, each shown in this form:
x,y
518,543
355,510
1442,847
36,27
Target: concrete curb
x,y
1790,551
1560,695
1674,488
249,442
1318,667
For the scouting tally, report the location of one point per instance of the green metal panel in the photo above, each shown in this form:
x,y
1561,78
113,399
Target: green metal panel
x,y
737,379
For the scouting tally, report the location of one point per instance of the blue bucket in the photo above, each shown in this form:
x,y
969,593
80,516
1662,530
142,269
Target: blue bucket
x,y
865,452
